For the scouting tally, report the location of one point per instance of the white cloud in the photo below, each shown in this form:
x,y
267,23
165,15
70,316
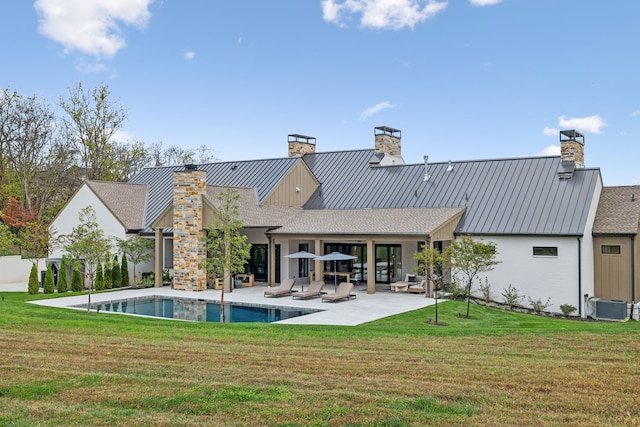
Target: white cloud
x,y
239,40
593,124
189,55
552,150
484,2
90,26
123,137
382,14
636,113
370,111
85,67
550,131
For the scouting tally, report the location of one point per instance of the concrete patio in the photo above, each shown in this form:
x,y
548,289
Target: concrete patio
x,y
364,308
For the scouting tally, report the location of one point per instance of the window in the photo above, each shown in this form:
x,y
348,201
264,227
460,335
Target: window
x,y
610,249
545,251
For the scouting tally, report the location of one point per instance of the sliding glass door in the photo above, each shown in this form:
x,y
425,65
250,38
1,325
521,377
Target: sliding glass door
x,y
388,263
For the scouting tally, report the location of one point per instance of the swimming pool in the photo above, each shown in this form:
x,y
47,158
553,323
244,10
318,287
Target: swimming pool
x,y
198,310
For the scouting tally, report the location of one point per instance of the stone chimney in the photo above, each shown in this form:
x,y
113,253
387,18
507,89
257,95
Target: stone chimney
x,y
388,150
387,141
299,145
188,229
572,147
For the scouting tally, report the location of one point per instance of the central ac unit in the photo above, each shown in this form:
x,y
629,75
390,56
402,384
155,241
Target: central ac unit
x,y
606,309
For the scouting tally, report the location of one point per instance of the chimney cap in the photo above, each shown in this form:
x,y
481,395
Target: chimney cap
x,y
386,130
571,135
190,167
296,137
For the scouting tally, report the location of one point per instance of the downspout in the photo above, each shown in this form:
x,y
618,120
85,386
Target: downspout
x,y
579,277
633,274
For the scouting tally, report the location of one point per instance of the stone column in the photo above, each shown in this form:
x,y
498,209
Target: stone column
x,y
189,252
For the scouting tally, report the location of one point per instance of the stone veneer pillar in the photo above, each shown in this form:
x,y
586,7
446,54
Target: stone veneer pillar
x,y
188,245
572,151
388,144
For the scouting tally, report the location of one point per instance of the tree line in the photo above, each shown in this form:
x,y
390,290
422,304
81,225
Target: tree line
x,y
47,151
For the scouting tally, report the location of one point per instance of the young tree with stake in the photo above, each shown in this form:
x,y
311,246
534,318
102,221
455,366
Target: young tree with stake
x,y
87,244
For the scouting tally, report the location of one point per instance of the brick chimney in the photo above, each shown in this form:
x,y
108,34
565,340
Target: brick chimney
x,y
188,229
299,145
572,147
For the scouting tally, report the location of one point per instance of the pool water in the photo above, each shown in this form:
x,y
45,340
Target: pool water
x,y
199,310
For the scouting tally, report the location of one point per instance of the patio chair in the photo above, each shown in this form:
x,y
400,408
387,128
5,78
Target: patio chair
x,y
343,292
313,291
416,288
285,288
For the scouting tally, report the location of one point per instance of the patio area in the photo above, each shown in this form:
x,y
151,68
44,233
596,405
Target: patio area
x,y
364,308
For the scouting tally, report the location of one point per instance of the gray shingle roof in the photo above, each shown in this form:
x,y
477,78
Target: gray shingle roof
x,y
618,211
412,221
250,213
502,196
262,175
126,201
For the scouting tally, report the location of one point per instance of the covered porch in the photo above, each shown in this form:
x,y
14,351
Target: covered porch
x,y
382,242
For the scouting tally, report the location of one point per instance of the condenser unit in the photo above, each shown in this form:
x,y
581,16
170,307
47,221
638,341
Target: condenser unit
x,y
606,309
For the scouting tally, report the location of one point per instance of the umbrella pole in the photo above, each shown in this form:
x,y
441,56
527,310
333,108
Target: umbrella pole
x,y
335,276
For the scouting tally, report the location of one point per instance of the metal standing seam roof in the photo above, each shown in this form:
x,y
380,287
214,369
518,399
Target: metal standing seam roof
x,y
126,201
501,196
261,175
518,196
618,211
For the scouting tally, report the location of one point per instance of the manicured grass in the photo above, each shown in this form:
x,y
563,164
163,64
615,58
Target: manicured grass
x,y
64,367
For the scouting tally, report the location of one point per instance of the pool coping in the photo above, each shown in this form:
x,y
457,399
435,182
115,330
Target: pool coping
x,y
365,308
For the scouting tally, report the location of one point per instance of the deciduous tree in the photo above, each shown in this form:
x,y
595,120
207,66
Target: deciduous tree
x,y
469,258
93,118
87,245
228,249
434,266
137,249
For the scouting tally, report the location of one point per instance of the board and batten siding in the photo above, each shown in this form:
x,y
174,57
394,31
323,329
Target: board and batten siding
x,y
613,271
68,218
295,189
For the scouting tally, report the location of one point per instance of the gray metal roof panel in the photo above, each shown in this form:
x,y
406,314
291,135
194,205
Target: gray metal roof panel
x,y
261,175
502,196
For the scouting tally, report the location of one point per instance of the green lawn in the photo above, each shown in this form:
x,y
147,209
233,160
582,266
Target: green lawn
x,y
64,367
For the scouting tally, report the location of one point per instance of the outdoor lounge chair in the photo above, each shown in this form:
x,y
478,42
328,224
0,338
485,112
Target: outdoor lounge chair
x,y
343,291
285,288
418,288
313,291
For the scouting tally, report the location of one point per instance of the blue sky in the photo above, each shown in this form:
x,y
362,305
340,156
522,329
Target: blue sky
x,y
463,79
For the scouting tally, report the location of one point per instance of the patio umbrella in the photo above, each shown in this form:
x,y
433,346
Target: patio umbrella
x,y
335,256
301,255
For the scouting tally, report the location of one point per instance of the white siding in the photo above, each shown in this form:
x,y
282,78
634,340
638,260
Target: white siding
x,y
538,277
68,218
